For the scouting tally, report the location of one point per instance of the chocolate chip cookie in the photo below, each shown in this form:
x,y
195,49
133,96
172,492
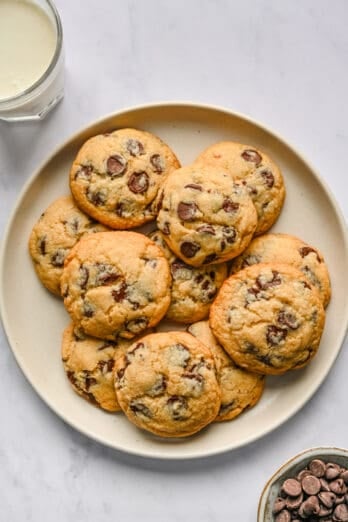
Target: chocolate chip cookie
x,y
205,216
193,289
166,384
116,284
288,249
89,363
56,232
268,318
240,389
115,177
257,171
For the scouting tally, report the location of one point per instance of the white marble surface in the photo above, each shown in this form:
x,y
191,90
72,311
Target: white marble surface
x,y
283,63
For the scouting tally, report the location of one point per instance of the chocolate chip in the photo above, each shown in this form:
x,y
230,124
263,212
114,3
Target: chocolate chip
x,y
311,485
294,502
226,407
88,309
275,335
291,321
119,293
178,355
209,259
106,274
107,344
165,229
230,206
181,271
159,387
187,211
84,275
157,205
189,248
283,516
324,485
137,325
338,486
157,163
316,466
332,471
252,191
195,383
116,166
98,198
206,229
139,408
84,172
57,259
304,251
327,498
251,155
340,513
138,183
119,209
106,366
89,381
135,147
303,473
268,178
264,282
194,186
344,476
278,505
292,487
71,376
249,260
177,406
230,234
309,507
41,244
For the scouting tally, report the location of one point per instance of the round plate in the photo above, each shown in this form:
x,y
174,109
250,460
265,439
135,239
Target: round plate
x,y
34,319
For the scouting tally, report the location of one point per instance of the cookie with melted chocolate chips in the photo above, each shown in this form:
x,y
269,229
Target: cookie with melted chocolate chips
x,y
116,284
204,215
58,229
192,289
115,177
166,384
258,173
268,318
291,250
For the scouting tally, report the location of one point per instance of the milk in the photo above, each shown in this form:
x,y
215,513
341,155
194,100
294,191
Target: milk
x,y
27,44
31,59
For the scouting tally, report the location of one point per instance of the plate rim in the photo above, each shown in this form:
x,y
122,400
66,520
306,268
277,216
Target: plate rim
x,y
165,455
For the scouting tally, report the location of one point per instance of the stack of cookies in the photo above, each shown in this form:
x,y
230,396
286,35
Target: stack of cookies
x,y
253,303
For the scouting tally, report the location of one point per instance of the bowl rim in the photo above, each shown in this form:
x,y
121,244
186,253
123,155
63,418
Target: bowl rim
x,y
309,453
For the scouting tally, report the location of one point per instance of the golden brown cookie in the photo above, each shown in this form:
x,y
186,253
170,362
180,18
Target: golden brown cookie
x,y
257,171
116,284
292,250
115,177
193,289
205,216
89,363
240,389
166,384
59,228
268,318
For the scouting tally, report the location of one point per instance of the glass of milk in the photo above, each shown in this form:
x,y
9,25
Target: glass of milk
x,y
31,59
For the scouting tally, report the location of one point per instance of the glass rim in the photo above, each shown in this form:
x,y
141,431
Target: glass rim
x,y
52,64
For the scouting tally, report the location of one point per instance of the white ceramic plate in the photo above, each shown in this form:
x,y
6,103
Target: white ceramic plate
x,y
34,319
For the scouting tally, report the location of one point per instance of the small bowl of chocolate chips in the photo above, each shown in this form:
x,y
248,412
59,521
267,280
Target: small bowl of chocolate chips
x,y
311,486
